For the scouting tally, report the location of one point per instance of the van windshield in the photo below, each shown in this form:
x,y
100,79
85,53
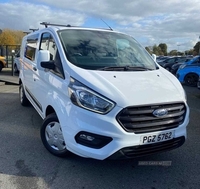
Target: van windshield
x,y
105,50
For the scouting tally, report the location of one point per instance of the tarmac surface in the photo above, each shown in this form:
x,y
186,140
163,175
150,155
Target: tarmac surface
x,y
7,77
26,164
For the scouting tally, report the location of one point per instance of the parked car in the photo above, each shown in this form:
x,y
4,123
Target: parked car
x,y
189,74
93,89
2,62
169,62
17,62
176,66
161,58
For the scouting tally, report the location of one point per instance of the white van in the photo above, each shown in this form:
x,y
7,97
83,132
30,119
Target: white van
x,y
100,93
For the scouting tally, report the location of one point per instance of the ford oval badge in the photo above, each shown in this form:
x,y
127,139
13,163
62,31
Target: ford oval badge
x,y
160,112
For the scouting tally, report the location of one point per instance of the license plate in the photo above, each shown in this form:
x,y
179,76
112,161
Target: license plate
x,y
157,137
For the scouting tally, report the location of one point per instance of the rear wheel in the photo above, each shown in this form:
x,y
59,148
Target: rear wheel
x,y
191,79
52,137
22,96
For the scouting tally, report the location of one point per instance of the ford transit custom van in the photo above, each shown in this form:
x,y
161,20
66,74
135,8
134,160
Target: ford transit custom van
x,y
100,94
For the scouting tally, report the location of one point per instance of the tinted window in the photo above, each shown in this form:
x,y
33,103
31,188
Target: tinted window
x,y
97,49
31,46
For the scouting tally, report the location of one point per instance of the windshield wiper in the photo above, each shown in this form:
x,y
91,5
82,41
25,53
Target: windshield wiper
x,y
124,68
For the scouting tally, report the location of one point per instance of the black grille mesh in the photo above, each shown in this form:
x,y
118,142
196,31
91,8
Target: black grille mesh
x,y
140,119
143,150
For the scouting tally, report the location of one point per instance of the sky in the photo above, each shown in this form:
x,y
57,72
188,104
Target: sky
x,y
151,22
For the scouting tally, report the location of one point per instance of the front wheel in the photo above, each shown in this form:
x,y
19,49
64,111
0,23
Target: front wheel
x,y
191,79
52,137
23,99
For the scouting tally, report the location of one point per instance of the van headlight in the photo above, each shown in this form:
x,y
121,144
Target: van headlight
x,y
84,97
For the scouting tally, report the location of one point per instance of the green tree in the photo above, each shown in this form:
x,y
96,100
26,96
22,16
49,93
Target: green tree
x,y
197,48
189,52
173,52
157,50
163,48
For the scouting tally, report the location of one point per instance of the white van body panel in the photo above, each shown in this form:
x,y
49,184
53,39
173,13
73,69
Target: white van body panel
x,y
134,88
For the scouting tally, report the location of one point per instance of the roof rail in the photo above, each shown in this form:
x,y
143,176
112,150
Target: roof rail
x,y
25,32
46,24
34,29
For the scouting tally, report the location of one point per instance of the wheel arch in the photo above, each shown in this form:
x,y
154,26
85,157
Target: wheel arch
x,y
49,110
191,73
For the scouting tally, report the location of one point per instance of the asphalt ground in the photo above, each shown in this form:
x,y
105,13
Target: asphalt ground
x,y
26,164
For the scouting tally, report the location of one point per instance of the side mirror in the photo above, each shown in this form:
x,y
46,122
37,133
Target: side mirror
x,y
43,56
154,57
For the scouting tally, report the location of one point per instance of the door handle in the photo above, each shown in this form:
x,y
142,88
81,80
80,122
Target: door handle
x,y
34,68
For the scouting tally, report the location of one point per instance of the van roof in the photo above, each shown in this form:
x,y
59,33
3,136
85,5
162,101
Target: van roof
x,y
68,25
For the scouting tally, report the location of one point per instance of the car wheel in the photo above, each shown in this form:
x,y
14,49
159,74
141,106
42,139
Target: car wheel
x,y
52,137
15,69
23,99
191,79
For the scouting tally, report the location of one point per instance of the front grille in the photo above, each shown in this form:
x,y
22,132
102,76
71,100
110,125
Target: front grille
x,y
140,119
143,150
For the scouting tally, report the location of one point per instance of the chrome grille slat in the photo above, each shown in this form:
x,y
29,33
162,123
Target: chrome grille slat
x,y
148,118
141,119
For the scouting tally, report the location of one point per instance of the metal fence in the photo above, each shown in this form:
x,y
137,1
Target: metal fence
x,y
9,51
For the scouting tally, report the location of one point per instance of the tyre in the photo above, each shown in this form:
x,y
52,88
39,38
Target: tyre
x,y
52,137
22,96
191,79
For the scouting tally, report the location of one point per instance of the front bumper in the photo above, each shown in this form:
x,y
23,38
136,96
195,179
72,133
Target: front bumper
x,y
111,140
144,150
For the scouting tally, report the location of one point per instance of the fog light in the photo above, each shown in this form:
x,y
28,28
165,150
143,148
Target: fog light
x,y
92,140
87,137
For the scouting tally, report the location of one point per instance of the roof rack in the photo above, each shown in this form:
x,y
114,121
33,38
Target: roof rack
x,y
46,24
25,32
34,29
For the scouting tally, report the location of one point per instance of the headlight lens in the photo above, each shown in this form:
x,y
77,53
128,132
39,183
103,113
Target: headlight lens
x,y
84,97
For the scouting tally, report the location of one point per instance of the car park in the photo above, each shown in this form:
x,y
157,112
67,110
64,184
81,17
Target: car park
x,y
2,62
189,74
93,89
161,58
176,66
169,62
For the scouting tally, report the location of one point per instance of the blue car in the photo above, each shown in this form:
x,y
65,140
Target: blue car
x,y
189,72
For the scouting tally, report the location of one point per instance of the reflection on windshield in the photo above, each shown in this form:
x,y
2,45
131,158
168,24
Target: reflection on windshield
x,y
91,49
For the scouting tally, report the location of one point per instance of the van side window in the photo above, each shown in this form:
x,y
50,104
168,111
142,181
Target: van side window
x,y
31,45
48,43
